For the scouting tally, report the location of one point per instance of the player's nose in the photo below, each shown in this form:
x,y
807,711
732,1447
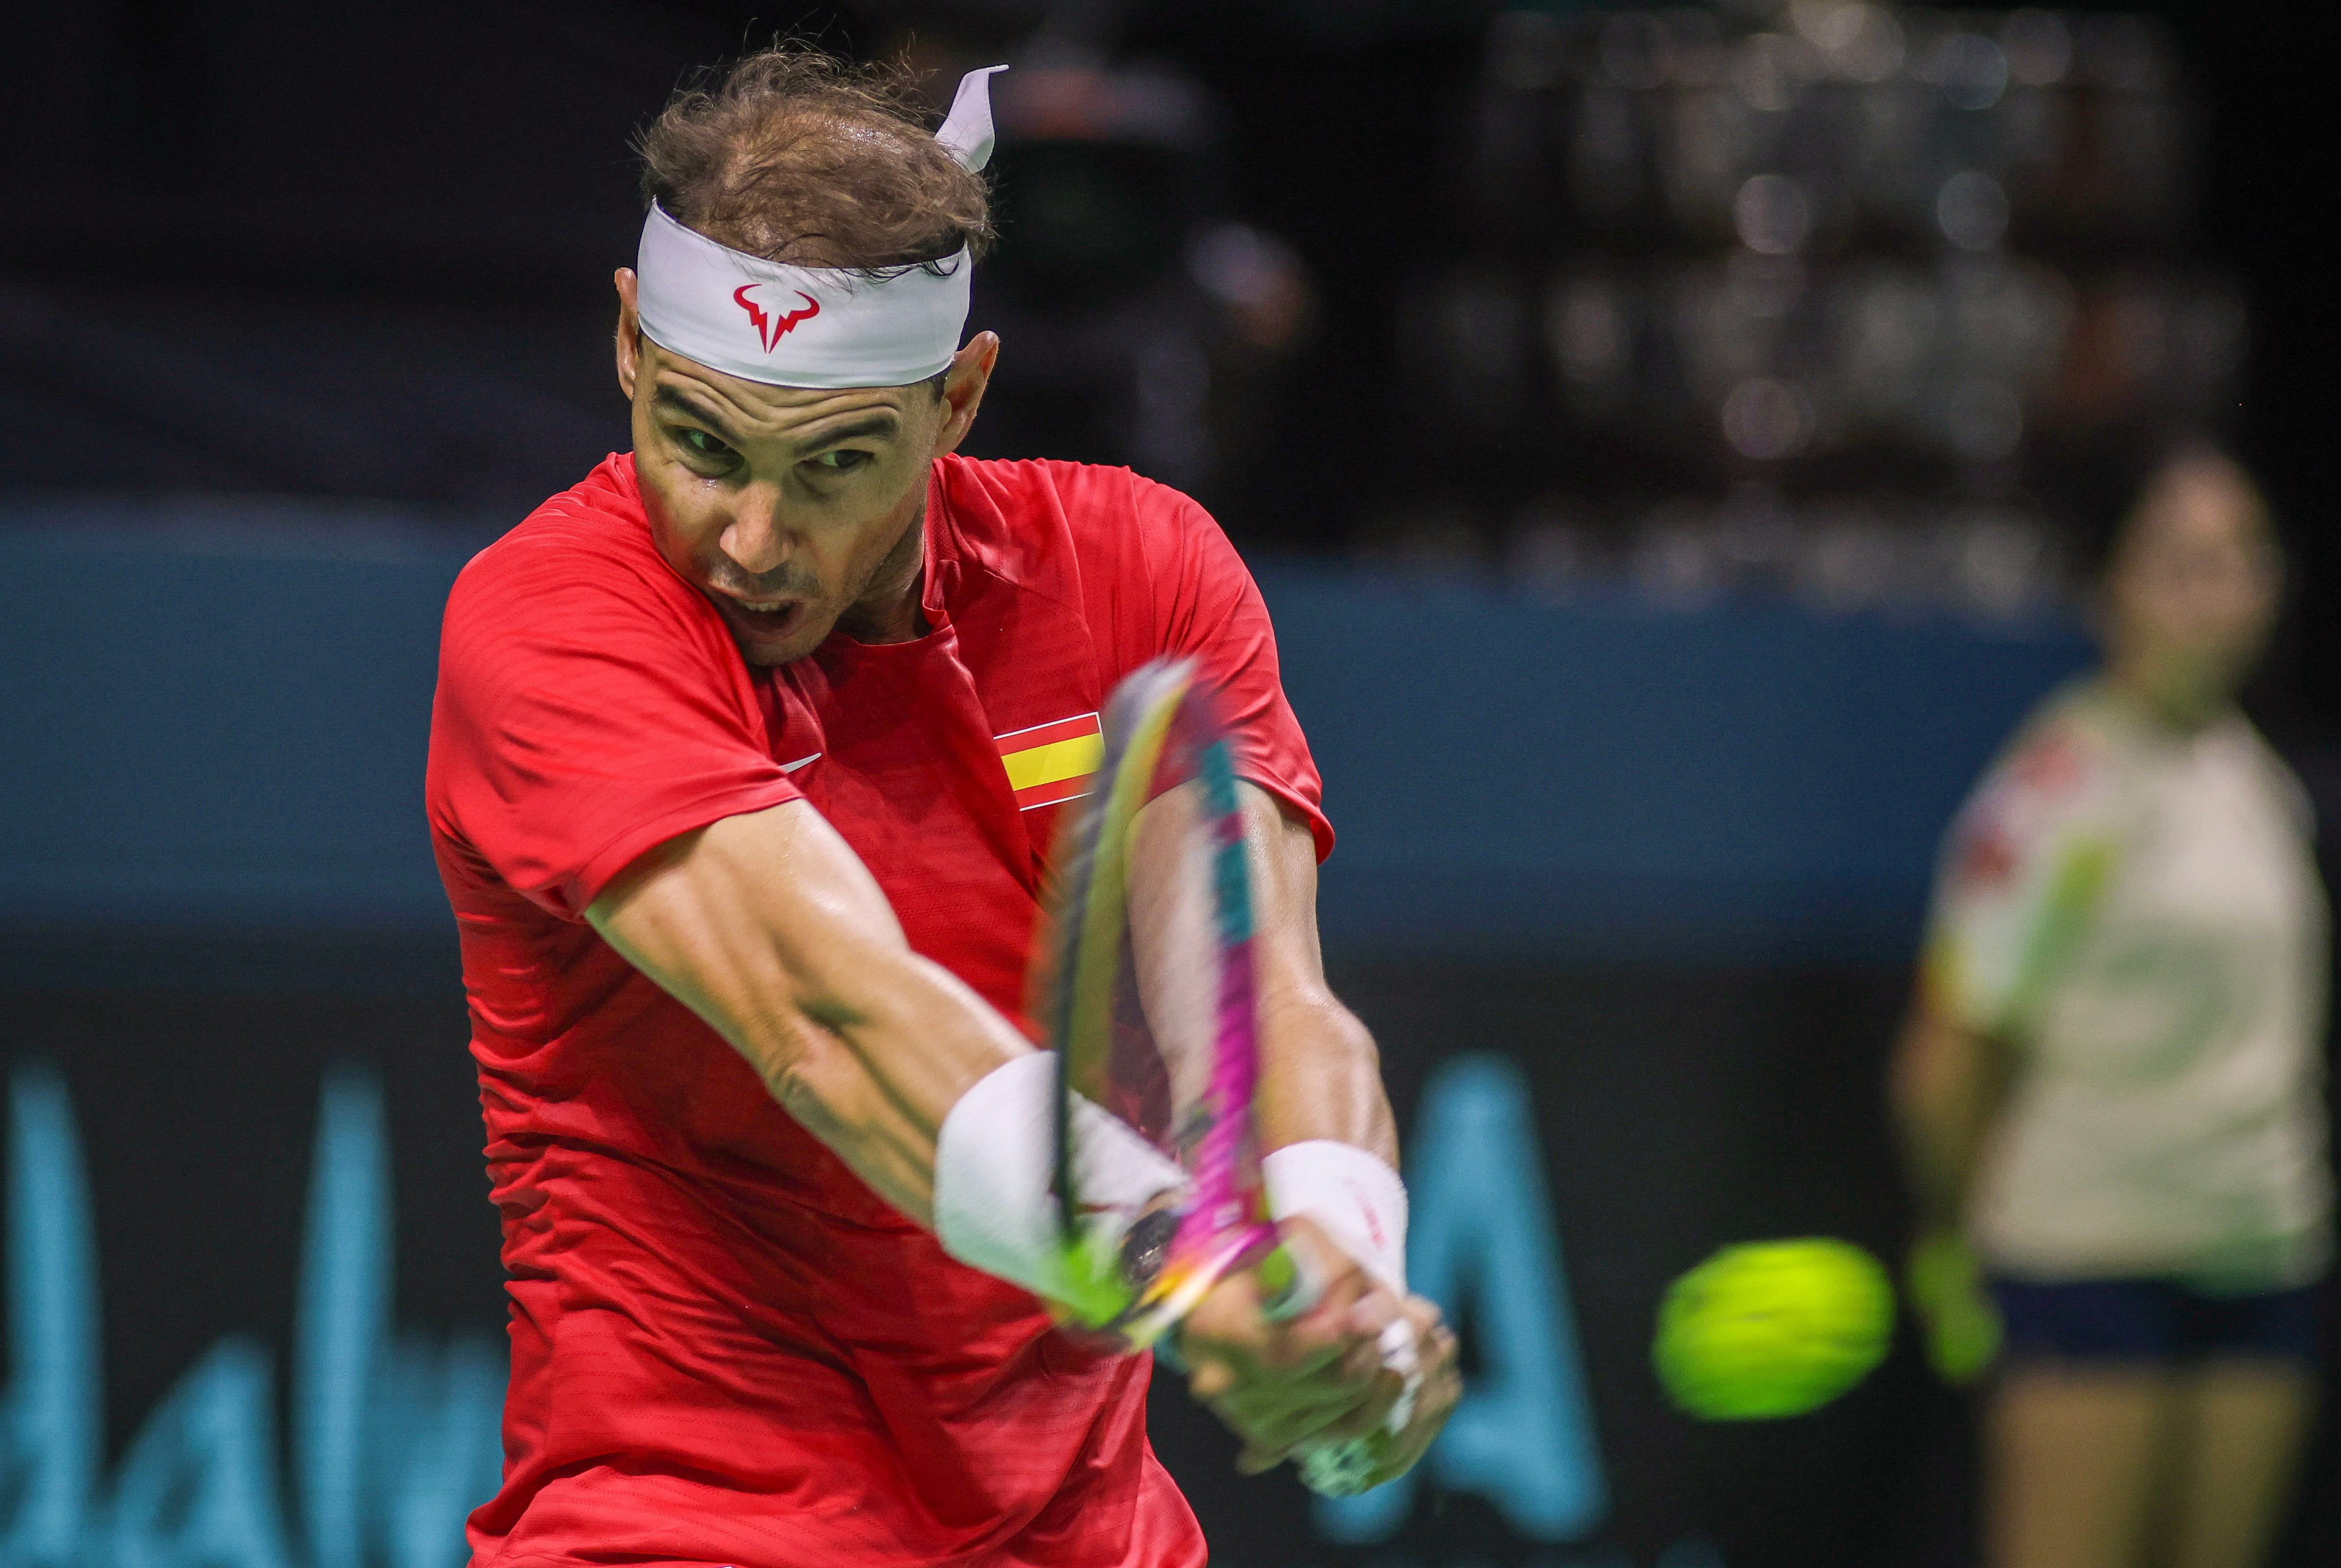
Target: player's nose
x,y
755,539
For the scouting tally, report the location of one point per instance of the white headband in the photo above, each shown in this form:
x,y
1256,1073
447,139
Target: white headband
x,y
812,326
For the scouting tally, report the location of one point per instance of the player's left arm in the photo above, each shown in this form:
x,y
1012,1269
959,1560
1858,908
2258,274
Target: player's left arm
x,y
1288,1386
1321,1075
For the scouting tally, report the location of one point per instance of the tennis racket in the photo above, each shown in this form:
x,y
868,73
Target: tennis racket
x,y
1143,984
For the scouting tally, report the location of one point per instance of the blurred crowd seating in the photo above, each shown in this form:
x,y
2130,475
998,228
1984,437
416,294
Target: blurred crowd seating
x,y
1895,290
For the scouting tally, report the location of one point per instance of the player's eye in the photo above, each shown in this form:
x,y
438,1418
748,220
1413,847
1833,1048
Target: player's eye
x,y
698,444
844,461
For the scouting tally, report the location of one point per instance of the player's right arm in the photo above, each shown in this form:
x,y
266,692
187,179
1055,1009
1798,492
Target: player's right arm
x,y
768,926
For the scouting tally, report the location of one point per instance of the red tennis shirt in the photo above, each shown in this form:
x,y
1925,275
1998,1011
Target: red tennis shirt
x,y
726,1350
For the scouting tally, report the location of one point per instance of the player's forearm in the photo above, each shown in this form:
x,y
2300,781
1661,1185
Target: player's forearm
x,y
1329,1144
768,928
1321,1075
876,1082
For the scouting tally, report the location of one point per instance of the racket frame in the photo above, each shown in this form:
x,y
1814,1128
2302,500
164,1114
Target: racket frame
x,y
1222,1224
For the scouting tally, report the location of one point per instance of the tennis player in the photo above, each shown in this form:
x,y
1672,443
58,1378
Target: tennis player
x,y
745,763
2111,1086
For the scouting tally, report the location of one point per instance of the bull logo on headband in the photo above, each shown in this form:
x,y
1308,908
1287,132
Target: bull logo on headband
x,y
771,329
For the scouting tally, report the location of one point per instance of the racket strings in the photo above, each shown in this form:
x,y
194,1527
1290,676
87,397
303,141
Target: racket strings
x,y
1149,991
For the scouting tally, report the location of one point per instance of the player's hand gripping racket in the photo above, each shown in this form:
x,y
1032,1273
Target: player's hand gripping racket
x,y
1144,986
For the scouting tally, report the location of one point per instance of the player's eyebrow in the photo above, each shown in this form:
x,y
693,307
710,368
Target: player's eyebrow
x,y
672,400
880,423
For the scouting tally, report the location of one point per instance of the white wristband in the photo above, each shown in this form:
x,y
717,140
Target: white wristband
x,y
1355,1195
994,1159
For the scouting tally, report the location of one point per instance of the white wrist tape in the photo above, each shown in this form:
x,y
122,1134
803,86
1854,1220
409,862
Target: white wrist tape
x,y
1354,1195
994,1170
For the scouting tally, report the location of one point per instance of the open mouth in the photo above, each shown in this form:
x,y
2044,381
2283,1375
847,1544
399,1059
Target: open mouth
x,y
766,618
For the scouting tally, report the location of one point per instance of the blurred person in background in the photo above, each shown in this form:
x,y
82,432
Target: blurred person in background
x,y
2110,1087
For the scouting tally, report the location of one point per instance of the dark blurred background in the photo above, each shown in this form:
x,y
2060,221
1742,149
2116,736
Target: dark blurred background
x,y
1666,439
1752,295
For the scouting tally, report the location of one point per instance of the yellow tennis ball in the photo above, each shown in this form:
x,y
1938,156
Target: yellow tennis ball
x,y
1768,1329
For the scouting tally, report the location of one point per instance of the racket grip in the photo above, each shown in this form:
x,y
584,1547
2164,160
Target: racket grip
x,y
1340,1469
1291,1284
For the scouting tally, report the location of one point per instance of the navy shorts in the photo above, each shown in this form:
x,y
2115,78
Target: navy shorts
x,y
2153,1320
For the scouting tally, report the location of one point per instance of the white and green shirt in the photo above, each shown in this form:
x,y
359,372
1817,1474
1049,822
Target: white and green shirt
x,y
2134,911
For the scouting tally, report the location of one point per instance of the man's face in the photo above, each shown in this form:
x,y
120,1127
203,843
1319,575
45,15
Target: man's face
x,y
791,508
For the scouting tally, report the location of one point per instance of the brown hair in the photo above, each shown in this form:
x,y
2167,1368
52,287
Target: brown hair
x,y
797,157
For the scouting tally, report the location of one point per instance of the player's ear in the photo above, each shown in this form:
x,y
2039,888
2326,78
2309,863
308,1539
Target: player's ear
x,y
630,335
963,384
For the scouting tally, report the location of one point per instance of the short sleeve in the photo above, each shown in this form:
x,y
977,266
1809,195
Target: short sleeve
x,y
2021,875
1208,608
585,714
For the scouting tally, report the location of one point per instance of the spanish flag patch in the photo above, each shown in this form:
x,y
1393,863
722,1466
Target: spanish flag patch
x,y
1052,762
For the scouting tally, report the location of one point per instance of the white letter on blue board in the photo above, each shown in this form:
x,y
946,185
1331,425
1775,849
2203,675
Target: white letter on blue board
x,y
51,1413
